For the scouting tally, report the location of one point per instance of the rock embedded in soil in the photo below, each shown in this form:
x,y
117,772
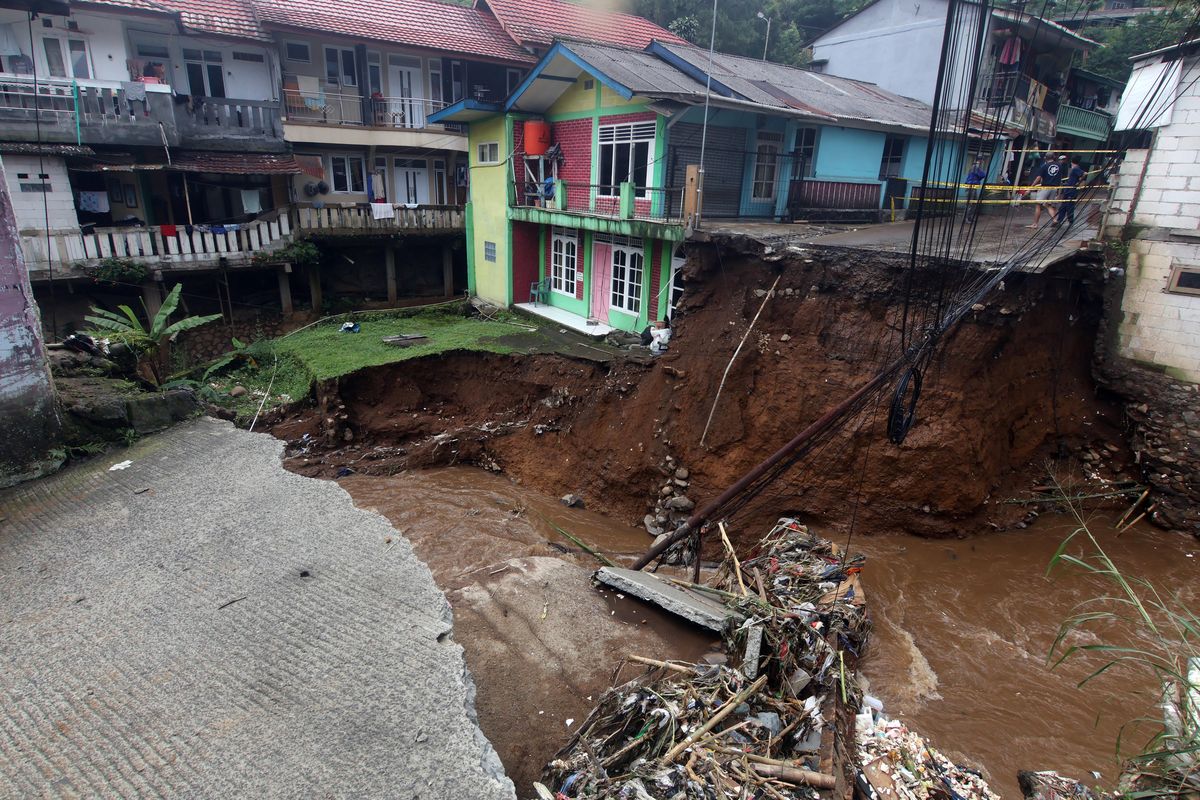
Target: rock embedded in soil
x,y
572,501
680,503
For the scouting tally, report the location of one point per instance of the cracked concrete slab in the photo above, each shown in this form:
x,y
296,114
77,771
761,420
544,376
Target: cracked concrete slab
x,y
203,623
692,606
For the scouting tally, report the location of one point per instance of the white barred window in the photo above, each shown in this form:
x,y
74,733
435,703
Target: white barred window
x,y
564,260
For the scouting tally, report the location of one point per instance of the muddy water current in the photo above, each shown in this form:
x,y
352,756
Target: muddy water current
x,y
962,628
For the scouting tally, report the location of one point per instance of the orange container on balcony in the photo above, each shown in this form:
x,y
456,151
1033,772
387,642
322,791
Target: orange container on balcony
x,y
537,137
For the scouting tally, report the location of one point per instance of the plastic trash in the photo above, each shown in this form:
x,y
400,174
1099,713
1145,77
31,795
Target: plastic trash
x,y
349,327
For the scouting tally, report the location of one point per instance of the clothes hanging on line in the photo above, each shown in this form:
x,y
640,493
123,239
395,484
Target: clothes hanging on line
x,y
383,211
251,201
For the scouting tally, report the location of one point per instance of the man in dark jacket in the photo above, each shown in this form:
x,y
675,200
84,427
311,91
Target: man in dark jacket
x,y
1070,194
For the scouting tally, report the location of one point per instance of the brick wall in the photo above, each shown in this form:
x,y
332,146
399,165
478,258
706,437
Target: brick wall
x,y
655,278
575,139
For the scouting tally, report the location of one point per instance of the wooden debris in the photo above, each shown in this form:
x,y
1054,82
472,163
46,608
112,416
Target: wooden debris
x,y
405,339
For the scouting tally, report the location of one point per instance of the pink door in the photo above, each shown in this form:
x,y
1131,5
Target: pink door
x,y
601,280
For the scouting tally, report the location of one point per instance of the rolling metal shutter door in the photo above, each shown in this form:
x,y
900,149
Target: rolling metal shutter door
x,y
724,157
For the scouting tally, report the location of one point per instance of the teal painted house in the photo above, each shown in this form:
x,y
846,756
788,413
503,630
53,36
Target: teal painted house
x,y
586,179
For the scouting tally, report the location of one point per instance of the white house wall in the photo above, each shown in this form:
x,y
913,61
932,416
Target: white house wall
x,y
28,206
1161,327
893,43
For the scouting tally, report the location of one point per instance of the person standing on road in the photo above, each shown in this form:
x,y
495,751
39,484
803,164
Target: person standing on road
x,y
1046,184
975,179
1070,194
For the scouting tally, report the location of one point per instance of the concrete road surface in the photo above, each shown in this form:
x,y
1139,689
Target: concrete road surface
x,y
201,623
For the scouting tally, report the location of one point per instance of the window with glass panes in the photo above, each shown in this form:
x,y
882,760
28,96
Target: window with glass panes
x,y
347,172
804,156
625,153
564,260
628,271
766,165
893,156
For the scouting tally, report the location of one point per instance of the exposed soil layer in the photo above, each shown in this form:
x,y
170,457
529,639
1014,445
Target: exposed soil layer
x,y
1010,390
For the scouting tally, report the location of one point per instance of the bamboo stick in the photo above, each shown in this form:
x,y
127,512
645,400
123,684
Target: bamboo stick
x,y
737,565
795,775
653,662
724,712
1136,503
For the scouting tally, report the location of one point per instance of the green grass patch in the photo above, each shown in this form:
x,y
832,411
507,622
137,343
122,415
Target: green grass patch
x,y
326,352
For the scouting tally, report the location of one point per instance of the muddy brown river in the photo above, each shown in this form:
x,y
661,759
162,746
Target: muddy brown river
x,y
962,628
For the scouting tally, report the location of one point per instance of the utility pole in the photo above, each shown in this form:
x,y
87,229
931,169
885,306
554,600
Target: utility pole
x,y
767,41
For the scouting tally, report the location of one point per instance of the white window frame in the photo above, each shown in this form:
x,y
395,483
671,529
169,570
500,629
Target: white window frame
x,y
765,176
799,149
375,61
487,153
564,261
307,49
64,49
625,133
341,65
362,176
441,192
628,256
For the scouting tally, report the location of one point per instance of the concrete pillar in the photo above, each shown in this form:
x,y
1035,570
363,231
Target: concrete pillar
x,y
314,287
389,261
152,297
285,290
448,269
31,425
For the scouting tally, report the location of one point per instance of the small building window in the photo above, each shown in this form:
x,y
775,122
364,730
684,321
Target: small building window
x,y
488,153
297,51
893,156
340,66
513,80
1184,280
36,187
564,260
348,174
489,251
766,165
255,57
804,157
625,154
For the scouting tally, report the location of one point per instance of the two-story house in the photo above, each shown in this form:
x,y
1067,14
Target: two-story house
x,y
1022,85
202,135
586,178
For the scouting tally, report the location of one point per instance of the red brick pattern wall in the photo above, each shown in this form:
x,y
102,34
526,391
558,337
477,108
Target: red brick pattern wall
x,y
524,259
575,138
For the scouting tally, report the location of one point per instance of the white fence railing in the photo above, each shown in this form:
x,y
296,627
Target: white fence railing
x,y
167,245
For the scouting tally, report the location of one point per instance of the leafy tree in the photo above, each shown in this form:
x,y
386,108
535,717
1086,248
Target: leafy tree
x,y
794,23
149,343
1141,35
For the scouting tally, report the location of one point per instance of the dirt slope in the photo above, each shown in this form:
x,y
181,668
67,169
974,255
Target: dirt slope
x,y
1011,389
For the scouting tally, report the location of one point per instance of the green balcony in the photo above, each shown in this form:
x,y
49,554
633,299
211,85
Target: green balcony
x,y
1074,121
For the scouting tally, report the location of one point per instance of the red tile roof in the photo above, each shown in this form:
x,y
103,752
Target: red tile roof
x,y
235,163
221,17
540,22
419,23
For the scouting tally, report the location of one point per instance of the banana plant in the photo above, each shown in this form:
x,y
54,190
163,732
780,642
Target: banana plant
x,y
149,343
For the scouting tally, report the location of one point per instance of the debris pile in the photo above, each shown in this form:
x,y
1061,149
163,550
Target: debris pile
x,y
897,764
777,721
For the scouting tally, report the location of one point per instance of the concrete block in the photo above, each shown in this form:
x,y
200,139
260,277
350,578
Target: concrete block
x,y
692,606
1179,193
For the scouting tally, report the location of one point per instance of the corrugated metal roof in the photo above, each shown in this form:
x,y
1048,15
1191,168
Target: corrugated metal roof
x,y
767,84
639,71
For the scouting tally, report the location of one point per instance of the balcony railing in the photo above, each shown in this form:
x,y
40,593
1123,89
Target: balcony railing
x,y
624,201
1075,121
216,118
165,246
101,112
314,105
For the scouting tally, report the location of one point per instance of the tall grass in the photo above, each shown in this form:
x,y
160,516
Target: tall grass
x,y
1165,645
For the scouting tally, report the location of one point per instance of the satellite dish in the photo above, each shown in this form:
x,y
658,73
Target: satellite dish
x,y
310,189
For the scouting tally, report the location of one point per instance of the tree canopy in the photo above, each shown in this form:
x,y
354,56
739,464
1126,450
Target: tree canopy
x,y
1140,35
794,23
